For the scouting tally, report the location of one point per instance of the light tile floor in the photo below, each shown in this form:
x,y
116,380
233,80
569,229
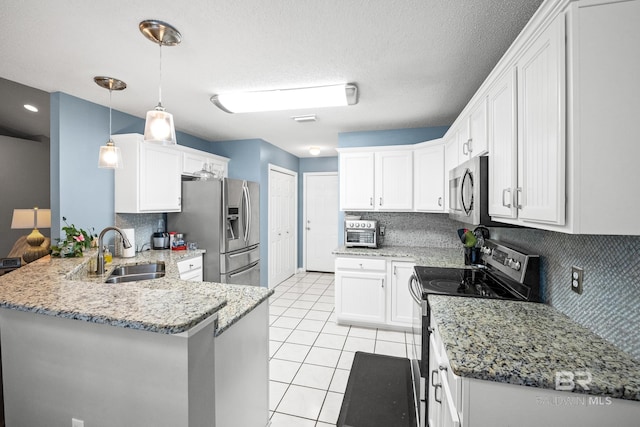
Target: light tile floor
x,y
310,355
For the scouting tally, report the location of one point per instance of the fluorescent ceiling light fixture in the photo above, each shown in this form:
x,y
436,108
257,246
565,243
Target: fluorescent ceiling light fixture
x,y
287,99
31,108
314,151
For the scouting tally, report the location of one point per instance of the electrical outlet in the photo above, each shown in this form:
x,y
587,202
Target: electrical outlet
x,y
76,423
577,275
382,230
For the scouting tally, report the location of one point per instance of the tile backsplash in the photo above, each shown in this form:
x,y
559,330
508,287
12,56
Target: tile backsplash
x,y
610,302
144,226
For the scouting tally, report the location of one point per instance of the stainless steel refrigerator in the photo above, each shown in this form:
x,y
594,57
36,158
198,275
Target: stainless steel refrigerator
x,y
223,217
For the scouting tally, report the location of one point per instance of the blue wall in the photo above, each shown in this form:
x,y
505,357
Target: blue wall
x,y
390,137
80,191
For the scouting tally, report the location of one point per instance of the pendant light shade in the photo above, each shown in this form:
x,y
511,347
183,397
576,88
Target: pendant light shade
x,y
110,156
159,127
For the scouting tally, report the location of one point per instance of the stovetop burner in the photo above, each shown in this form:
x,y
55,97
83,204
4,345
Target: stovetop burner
x,y
505,273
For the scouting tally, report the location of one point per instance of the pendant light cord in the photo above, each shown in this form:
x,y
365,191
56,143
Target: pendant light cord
x,y
160,82
110,91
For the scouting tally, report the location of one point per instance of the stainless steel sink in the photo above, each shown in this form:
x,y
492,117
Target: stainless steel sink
x,y
133,273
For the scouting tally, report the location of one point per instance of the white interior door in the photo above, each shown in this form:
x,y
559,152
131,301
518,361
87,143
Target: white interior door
x,y
321,220
282,224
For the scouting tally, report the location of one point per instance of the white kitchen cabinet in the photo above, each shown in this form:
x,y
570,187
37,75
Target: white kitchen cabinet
x,y
191,269
461,401
194,160
503,166
429,178
380,180
150,179
540,195
477,142
394,180
373,292
357,181
360,291
400,301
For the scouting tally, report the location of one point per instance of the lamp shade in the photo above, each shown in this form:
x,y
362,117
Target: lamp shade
x,y
31,218
159,128
110,156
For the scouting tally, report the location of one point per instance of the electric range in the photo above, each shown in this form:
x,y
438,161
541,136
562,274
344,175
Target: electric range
x,y
505,273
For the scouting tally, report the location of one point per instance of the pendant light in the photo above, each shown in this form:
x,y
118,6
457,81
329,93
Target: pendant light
x,y
110,156
158,127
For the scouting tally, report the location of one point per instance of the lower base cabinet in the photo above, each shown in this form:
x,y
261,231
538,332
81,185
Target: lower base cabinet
x,y
373,292
456,401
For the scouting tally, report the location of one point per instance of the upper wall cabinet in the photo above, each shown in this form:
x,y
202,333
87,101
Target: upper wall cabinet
x,y
527,179
193,161
561,112
376,180
468,137
150,179
429,178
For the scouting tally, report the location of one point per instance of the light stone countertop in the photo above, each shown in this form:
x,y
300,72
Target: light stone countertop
x,y
428,257
527,343
61,287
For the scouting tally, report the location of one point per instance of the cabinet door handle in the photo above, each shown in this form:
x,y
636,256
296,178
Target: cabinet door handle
x,y
371,201
395,270
382,283
179,201
505,191
380,201
439,201
465,148
518,197
435,393
470,145
433,381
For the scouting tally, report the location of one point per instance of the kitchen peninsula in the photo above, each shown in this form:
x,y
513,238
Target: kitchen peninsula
x,y
144,353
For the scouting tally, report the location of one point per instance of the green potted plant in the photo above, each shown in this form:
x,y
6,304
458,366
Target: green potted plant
x,y
75,242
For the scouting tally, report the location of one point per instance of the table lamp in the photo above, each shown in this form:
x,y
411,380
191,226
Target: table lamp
x,y
32,218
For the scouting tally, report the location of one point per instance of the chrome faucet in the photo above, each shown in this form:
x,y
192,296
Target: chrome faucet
x,y
125,242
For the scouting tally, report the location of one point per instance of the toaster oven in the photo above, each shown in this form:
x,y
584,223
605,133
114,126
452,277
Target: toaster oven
x,y
361,233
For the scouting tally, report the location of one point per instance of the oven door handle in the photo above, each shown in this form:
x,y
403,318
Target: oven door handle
x,y
413,279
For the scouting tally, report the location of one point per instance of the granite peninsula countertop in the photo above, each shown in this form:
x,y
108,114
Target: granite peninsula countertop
x,y
428,257
61,287
526,343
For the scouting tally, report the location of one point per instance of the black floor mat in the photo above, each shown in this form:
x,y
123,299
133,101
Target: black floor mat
x,y
379,393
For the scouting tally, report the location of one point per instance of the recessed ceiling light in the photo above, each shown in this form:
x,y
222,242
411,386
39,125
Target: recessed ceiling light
x,y
31,108
314,151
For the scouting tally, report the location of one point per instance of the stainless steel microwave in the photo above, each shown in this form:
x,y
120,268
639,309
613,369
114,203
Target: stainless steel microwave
x,y
469,192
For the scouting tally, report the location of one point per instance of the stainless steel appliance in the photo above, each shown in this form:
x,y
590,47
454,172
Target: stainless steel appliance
x,y
469,192
223,216
504,273
361,233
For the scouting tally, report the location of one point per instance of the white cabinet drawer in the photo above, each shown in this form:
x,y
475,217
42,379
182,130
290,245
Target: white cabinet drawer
x,y
361,264
190,268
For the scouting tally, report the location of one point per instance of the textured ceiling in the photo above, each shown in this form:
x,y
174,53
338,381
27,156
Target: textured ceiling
x,y
416,62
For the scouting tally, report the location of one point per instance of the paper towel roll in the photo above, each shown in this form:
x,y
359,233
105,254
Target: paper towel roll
x,y
131,252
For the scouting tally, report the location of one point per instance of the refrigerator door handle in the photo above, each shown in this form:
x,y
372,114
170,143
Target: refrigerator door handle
x,y
245,271
247,212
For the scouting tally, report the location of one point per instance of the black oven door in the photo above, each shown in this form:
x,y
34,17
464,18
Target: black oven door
x,y
419,363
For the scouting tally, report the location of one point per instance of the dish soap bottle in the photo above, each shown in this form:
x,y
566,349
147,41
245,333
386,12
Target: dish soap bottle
x,y
107,255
